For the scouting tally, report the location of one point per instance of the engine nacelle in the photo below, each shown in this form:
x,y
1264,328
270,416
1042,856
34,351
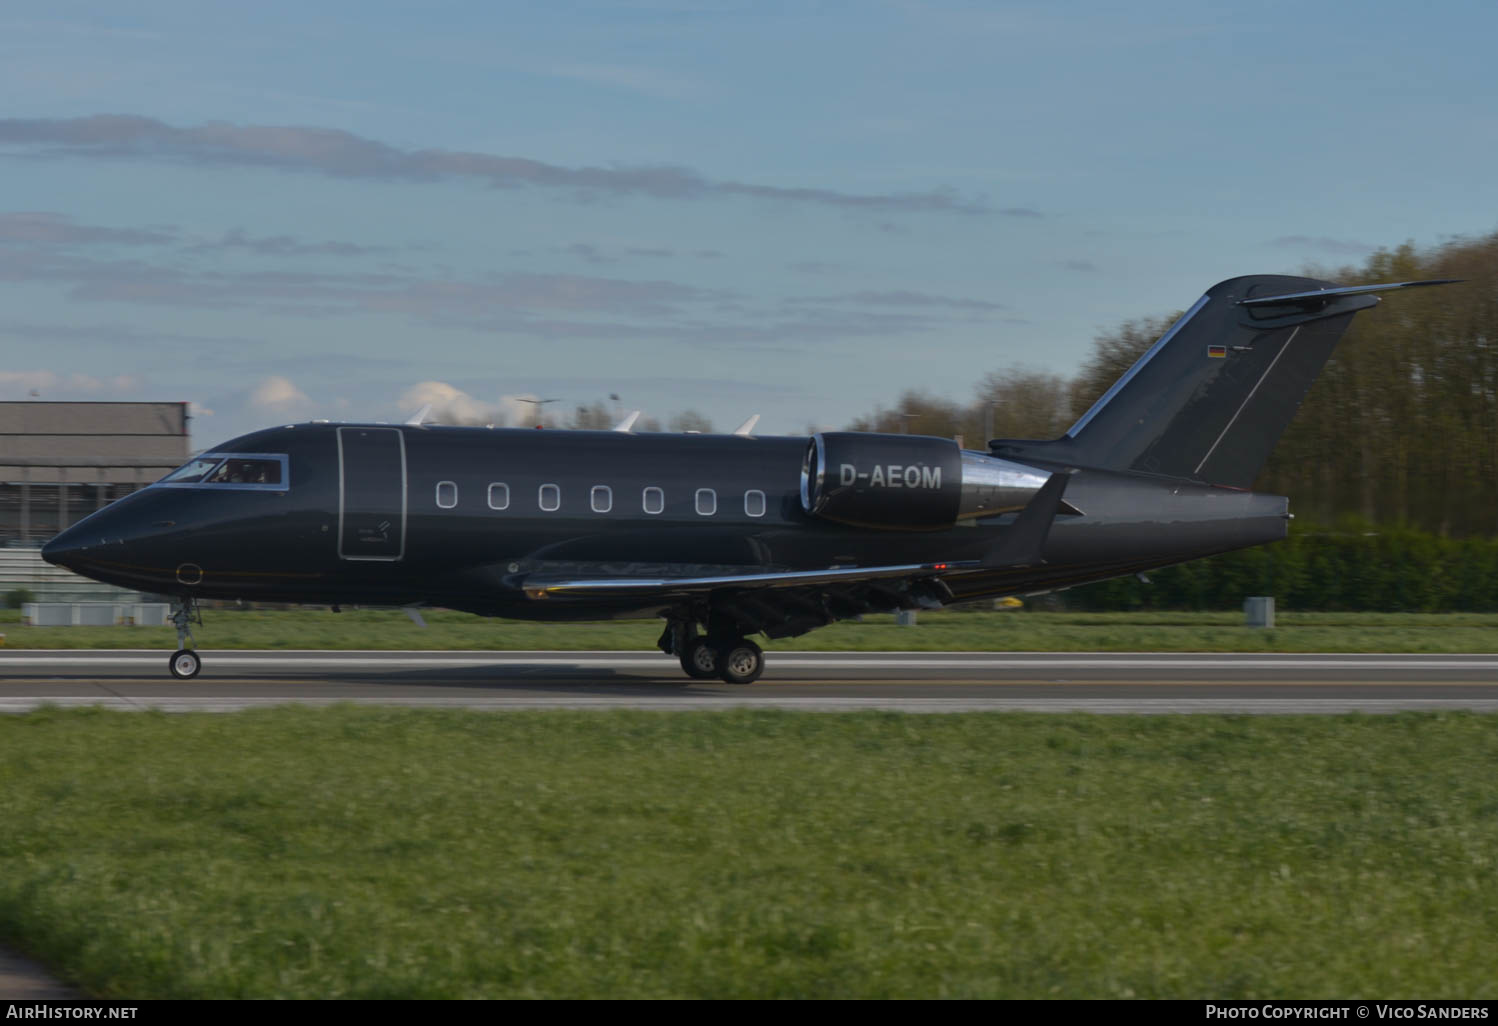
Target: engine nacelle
x,y
908,482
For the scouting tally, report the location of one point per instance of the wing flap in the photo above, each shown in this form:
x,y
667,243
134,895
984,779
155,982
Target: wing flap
x,y
542,588
1022,544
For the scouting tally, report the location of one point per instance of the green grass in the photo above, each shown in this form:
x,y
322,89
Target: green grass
x,y
357,852
948,630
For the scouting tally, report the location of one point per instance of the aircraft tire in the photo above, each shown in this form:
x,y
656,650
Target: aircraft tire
x,y
741,662
699,660
184,664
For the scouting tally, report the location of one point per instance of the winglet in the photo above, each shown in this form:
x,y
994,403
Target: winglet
x,y
1024,541
419,417
628,423
745,429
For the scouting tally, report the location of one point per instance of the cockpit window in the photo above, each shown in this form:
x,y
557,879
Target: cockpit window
x,y
240,471
254,470
193,470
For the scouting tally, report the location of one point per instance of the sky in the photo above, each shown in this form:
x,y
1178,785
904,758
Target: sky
x,y
287,211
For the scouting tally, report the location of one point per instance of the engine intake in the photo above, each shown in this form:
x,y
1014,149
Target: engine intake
x,y
908,482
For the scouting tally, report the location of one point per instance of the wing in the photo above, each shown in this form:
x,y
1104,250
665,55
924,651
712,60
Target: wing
x,y
776,600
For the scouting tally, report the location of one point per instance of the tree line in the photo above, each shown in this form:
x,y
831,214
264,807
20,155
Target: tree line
x,y
1400,429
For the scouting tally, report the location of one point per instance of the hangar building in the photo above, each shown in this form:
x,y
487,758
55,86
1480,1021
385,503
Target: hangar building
x,y
61,461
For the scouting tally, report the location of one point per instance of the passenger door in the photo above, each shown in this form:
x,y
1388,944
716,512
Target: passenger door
x,y
371,493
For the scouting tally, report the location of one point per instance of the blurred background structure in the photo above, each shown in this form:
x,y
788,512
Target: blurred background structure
x,y
61,461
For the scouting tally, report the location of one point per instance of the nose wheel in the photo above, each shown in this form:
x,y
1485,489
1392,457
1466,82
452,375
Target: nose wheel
x,y
185,663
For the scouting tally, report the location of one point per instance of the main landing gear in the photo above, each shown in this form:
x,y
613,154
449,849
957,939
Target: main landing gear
x,y
733,659
185,663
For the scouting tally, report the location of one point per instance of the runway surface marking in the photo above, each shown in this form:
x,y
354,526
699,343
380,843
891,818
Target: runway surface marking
x,y
670,679
809,660
1133,706
828,681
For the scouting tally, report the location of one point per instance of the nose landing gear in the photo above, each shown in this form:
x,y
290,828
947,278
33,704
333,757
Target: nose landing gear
x,y
184,662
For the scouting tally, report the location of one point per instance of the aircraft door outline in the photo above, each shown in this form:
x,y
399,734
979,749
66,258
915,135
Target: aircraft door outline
x,y
370,528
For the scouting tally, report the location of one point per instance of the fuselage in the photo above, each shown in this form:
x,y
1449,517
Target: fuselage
x,y
461,517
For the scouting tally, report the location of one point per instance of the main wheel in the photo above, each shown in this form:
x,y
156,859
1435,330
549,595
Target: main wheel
x,y
699,660
185,664
741,662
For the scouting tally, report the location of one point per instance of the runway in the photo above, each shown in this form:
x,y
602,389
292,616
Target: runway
x,y
916,682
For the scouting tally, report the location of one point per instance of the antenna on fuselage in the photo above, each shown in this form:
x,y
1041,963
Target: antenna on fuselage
x,y
627,425
419,417
746,429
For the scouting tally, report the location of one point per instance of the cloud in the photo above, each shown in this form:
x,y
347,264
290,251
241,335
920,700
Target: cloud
x,y
278,395
113,335
285,245
1326,245
48,383
814,267
595,254
322,293
533,306
40,228
452,405
449,405
648,81
904,297
346,155
27,381
589,252
1082,266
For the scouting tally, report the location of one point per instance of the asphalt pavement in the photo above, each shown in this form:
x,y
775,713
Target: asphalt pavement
x,y
829,681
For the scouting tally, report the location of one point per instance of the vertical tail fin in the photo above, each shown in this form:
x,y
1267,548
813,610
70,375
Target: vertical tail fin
x,y
1211,398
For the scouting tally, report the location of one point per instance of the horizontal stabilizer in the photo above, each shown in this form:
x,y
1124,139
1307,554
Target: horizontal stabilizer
x,y
1324,295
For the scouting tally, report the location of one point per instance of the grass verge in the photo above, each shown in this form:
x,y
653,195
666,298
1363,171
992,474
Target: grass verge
x,y
943,631
357,852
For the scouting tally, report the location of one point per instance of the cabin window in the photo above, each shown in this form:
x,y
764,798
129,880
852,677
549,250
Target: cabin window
x,y
603,498
707,502
499,496
754,503
551,498
654,500
447,494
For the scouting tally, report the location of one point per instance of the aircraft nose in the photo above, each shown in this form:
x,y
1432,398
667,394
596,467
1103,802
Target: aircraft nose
x,y
66,549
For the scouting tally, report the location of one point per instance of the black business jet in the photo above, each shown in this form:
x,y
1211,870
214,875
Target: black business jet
x,y
726,536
